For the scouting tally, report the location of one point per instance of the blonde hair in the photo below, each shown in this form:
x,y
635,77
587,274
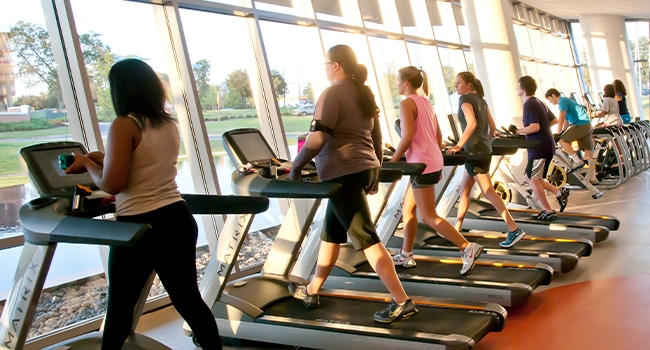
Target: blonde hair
x,y
416,77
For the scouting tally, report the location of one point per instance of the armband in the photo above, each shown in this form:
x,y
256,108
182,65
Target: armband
x,y
316,125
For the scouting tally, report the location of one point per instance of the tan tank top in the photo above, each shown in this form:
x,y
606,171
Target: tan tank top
x,y
151,184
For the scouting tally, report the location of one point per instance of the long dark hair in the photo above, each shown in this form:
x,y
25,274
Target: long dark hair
x,y
137,90
416,77
358,73
469,77
619,87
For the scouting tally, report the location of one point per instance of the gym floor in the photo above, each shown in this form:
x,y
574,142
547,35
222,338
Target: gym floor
x,y
603,304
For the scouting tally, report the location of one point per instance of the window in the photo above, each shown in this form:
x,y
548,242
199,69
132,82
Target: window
x,y
296,59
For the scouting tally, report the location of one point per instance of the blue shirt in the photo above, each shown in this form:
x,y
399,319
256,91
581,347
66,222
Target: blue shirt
x,y
575,113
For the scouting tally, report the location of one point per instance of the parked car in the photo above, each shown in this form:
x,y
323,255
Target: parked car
x,y
645,91
304,109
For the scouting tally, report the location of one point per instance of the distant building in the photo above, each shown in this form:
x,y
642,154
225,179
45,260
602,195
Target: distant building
x,y
7,86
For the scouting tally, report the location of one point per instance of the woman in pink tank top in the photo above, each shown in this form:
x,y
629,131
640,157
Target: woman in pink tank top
x,y
422,143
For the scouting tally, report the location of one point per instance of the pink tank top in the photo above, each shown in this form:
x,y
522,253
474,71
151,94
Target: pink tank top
x,y
424,148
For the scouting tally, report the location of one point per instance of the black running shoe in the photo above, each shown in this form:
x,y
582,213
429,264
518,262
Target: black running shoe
x,y
563,198
546,215
393,312
311,301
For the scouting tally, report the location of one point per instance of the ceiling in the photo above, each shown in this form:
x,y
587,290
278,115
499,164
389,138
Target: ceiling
x,y
572,9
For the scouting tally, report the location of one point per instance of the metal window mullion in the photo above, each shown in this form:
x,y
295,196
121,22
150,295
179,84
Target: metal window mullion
x,y
268,110
190,116
71,69
266,101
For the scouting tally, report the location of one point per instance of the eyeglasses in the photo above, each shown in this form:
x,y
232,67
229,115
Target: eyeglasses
x,y
328,62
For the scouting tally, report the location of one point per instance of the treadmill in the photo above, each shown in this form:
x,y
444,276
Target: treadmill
x,y
482,215
259,306
561,254
506,283
52,219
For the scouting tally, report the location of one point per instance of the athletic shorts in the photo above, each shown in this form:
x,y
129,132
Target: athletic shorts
x,y
348,213
538,168
426,180
478,165
581,134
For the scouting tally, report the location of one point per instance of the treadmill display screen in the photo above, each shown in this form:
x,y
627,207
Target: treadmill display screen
x,y
48,177
250,147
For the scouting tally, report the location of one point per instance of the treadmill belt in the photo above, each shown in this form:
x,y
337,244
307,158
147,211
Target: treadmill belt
x,y
525,216
355,316
578,248
529,276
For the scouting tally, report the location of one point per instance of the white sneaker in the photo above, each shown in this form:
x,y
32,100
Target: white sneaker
x,y
469,256
404,260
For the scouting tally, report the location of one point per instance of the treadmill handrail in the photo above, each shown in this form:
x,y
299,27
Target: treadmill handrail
x,y
206,204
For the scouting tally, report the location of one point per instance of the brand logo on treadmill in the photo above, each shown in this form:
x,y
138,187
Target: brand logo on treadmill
x,y
331,321
233,246
494,296
19,307
405,275
482,312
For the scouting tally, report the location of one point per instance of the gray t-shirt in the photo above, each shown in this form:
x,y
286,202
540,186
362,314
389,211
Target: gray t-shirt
x,y
350,148
479,143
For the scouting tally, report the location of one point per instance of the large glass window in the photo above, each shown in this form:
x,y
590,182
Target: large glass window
x,y
32,111
638,34
298,74
339,11
413,18
443,21
544,49
301,8
428,59
295,36
380,14
220,65
388,57
453,62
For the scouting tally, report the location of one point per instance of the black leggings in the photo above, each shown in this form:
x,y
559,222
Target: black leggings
x,y
348,212
169,248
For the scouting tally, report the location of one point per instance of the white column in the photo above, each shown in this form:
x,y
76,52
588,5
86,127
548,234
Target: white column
x,y
610,57
496,56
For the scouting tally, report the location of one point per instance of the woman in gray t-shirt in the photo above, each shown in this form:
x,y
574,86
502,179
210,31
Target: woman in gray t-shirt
x,y
478,131
345,142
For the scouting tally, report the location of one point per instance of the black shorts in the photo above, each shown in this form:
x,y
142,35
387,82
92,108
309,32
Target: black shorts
x,y
426,180
478,165
348,213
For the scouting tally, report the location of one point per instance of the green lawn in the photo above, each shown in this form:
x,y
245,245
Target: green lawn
x,y
11,172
